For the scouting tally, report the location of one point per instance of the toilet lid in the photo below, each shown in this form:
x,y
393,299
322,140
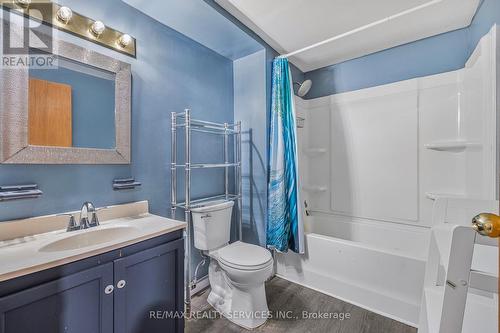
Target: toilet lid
x,y
245,256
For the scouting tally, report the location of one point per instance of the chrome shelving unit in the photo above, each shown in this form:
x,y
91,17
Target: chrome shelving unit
x,y
184,122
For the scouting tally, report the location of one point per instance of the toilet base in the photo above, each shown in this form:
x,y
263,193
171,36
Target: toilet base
x,y
246,306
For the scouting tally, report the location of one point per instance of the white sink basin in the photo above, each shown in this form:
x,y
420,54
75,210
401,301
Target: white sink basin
x,y
45,244
89,238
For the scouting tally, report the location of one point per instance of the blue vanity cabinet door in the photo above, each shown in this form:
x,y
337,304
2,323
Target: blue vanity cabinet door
x,y
149,290
76,303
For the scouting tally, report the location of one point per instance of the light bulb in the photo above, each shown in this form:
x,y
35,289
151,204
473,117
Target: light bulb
x,y
64,14
125,40
97,28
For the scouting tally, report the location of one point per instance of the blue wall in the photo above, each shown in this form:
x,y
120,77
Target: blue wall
x,y
171,72
433,55
92,106
250,108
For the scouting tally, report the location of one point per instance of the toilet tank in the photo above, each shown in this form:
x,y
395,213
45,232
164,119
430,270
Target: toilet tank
x,y
212,224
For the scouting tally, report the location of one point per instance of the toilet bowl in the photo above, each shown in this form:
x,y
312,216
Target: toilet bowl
x,y
237,271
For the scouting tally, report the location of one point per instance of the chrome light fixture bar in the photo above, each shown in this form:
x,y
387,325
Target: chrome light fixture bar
x,y
23,3
64,19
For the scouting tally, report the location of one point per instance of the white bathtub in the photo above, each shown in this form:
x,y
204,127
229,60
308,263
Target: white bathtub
x,y
347,260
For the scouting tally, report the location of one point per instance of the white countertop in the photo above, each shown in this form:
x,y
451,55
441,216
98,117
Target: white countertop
x,y
25,255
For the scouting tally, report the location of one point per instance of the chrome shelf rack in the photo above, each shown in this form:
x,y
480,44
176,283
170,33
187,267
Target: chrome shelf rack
x,y
184,122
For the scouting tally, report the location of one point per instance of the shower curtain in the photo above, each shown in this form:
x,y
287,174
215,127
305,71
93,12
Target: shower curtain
x,y
285,228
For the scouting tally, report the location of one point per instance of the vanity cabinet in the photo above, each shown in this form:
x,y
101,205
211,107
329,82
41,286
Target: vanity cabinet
x,y
147,284
122,291
75,303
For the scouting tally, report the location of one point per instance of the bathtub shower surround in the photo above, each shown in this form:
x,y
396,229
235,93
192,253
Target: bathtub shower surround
x,y
373,163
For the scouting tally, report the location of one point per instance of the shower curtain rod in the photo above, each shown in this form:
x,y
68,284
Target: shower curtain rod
x,y
365,27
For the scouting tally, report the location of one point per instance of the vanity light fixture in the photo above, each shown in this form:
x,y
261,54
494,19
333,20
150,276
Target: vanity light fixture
x,y
23,3
124,40
64,14
65,19
97,28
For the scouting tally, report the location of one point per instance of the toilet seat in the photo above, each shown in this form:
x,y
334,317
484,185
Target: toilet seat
x,y
243,256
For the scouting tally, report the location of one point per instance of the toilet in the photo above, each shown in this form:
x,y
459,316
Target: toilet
x,y
237,271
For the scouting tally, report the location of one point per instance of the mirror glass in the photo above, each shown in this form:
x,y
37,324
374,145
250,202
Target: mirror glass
x,y
72,105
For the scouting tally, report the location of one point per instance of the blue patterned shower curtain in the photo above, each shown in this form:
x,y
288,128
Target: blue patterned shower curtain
x,y
285,228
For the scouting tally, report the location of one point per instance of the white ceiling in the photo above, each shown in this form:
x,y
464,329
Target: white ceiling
x,y
355,27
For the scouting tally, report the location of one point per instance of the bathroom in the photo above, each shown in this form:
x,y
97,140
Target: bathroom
x,y
156,212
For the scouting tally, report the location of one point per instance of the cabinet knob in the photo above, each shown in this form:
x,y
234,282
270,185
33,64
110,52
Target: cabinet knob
x,y
121,284
109,289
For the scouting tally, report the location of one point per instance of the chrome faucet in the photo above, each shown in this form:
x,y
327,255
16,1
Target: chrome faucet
x,y
88,218
87,210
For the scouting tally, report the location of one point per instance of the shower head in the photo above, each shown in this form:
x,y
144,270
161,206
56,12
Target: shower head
x,y
304,87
